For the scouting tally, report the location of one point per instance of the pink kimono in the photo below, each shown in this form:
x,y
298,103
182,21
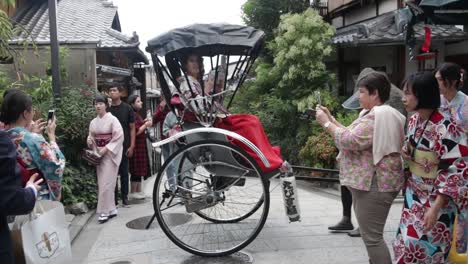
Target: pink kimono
x,y
107,132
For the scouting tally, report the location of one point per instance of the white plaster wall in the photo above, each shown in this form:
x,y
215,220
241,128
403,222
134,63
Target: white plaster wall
x,y
360,14
364,13
387,6
456,48
80,63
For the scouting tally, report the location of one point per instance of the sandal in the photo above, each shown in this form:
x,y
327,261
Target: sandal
x,y
103,218
113,213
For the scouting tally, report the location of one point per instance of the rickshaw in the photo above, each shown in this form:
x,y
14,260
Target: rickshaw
x,y
211,197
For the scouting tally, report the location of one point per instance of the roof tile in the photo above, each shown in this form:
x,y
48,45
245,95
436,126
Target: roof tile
x,y
383,29
78,21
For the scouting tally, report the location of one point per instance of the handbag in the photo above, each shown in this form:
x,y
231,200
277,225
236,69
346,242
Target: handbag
x,y
91,157
42,236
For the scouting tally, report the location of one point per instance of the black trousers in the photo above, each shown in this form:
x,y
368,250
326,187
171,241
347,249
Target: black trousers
x,y
123,172
346,201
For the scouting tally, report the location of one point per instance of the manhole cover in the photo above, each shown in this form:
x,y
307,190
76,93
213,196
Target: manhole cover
x,y
174,219
137,201
140,223
240,257
122,262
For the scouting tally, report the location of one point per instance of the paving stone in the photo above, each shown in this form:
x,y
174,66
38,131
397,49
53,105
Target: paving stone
x,y
278,242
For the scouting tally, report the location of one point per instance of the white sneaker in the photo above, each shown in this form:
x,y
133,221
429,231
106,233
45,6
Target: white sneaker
x,y
142,195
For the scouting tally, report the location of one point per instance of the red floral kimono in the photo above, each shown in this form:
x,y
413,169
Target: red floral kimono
x,y
448,142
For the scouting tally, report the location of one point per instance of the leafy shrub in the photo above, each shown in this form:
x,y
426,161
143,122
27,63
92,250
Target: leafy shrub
x,y
79,185
327,99
74,112
347,117
320,150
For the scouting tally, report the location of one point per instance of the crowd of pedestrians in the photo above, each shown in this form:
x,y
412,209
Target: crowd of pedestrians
x,y
411,140
427,162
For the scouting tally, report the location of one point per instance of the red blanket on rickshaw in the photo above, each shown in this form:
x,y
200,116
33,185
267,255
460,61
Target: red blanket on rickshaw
x,y
250,127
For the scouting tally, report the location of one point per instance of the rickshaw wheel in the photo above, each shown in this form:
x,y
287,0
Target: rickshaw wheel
x,y
215,218
220,218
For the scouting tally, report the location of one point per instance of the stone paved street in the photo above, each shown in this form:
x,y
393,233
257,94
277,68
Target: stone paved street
x,y
279,242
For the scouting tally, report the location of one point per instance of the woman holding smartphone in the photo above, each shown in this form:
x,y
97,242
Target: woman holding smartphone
x,y
34,151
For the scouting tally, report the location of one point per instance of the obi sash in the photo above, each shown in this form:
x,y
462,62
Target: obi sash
x,y
102,139
425,164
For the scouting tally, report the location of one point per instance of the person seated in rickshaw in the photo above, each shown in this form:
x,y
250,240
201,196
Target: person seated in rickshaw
x,y
248,126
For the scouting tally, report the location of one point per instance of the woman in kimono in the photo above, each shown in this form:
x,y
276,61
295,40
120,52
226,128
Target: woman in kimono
x,y
437,154
455,103
106,137
35,153
452,101
139,161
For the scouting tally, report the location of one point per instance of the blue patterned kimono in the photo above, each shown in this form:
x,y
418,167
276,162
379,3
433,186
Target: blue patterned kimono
x,y
457,109
36,153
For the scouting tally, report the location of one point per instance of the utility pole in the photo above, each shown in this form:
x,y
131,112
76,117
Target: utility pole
x,y
54,49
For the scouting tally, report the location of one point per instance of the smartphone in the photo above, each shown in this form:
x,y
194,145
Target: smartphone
x,y
50,115
318,97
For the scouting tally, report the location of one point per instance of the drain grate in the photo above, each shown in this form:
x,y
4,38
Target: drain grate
x,y
240,257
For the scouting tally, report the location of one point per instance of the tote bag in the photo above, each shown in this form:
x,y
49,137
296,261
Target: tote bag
x,y
45,235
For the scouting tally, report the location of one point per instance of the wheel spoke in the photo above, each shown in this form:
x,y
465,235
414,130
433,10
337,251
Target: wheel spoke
x,y
220,205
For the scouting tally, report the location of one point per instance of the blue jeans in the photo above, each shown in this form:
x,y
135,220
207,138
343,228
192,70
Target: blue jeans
x,y
167,150
171,170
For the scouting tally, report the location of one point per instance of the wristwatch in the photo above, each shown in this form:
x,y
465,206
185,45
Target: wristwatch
x,y
327,124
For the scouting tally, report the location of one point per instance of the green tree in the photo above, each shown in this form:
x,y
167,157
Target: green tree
x,y
300,48
265,15
7,32
282,88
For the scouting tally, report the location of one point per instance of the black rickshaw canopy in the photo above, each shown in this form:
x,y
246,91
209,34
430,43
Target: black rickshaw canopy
x,y
231,49
207,40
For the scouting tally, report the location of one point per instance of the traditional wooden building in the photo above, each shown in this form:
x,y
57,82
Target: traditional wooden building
x,y
99,55
371,33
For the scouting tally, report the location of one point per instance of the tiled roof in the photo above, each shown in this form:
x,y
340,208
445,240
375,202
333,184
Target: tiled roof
x,y
79,21
390,28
